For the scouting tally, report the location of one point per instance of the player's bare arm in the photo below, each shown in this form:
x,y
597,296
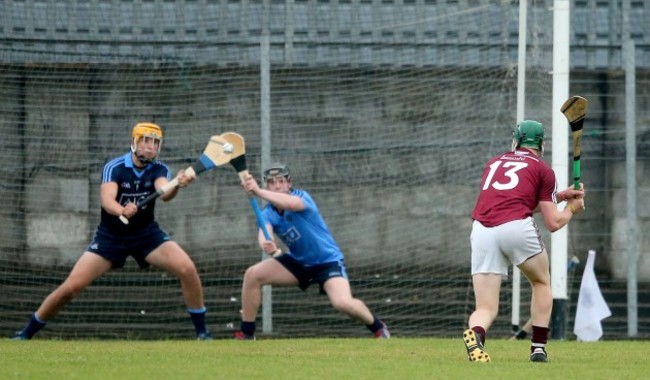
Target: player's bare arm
x,y
268,246
565,195
184,180
555,219
570,193
278,196
282,201
108,194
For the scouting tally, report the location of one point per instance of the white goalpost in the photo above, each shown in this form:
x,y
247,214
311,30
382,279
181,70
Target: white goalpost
x,y
560,164
521,108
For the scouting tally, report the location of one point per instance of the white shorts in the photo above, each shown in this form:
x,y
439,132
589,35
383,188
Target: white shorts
x,y
495,248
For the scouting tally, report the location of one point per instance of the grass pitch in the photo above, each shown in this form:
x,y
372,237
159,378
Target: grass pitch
x,y
397,358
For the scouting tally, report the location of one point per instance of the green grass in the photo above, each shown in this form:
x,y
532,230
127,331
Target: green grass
x,y
337,359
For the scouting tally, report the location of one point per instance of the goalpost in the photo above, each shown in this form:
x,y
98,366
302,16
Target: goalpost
x,y
384,111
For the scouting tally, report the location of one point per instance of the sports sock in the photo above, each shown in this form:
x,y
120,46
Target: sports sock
x,y
198,319
248,328
481,332
33,326
376,324
539,338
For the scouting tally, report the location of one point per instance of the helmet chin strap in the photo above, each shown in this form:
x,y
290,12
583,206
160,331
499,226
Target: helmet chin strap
x,y
141,157
145,160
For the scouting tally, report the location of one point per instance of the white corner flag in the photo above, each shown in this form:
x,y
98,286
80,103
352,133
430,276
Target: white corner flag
x,y
592,307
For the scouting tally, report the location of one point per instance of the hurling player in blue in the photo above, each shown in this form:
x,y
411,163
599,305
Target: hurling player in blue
x,y
313,257
126,180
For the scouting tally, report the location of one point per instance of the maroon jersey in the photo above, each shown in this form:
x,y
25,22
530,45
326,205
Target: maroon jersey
x,y
511,187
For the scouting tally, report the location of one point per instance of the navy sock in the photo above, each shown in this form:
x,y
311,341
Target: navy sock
x,y
34,326
248,328
376,324
198,319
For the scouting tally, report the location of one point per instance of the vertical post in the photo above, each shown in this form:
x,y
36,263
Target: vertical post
x,y
288,32
521,103
560,148
628,57
265,131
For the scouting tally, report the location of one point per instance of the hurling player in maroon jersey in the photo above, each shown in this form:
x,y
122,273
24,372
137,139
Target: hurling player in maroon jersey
x,y
514,185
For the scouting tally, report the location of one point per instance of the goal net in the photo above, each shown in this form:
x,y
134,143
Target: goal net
x,y
385,112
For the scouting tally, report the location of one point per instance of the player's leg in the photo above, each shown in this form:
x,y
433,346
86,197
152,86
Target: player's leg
x,y
530,256
486,293
87,268
536,270
170,257
489,265
340,295
266,272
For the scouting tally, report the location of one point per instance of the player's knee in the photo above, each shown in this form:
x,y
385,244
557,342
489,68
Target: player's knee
x,y
187,270
491,311
66,292
256,275
253,275
342,305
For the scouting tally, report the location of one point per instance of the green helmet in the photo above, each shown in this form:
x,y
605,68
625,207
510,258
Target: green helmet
x,y
529,134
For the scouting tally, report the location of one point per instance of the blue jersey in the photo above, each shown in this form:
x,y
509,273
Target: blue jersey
x,y
304,232
133,185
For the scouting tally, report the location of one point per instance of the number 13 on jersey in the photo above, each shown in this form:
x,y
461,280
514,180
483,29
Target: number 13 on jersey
x,y
511,168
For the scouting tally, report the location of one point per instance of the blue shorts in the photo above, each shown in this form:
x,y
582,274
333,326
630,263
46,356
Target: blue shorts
x,y
116,248
313,274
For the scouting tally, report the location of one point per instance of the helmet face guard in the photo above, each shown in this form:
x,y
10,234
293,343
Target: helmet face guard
x,y
146,131
528,134
277,170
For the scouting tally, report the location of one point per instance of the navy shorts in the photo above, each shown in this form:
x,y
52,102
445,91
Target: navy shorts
x,y
313,274
116,248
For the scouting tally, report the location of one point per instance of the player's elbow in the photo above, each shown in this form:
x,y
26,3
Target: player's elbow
x,y
553,225
168,196
553,219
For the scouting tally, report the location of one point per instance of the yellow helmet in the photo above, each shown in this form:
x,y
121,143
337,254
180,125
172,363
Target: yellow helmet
x,y
149,130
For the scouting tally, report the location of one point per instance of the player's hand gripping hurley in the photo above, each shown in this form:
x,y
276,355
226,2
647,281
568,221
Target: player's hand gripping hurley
x,y
238,161
575,109
218,152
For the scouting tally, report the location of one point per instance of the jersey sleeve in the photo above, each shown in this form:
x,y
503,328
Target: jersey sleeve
x,y
548,186
111,172
162,170
306,199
